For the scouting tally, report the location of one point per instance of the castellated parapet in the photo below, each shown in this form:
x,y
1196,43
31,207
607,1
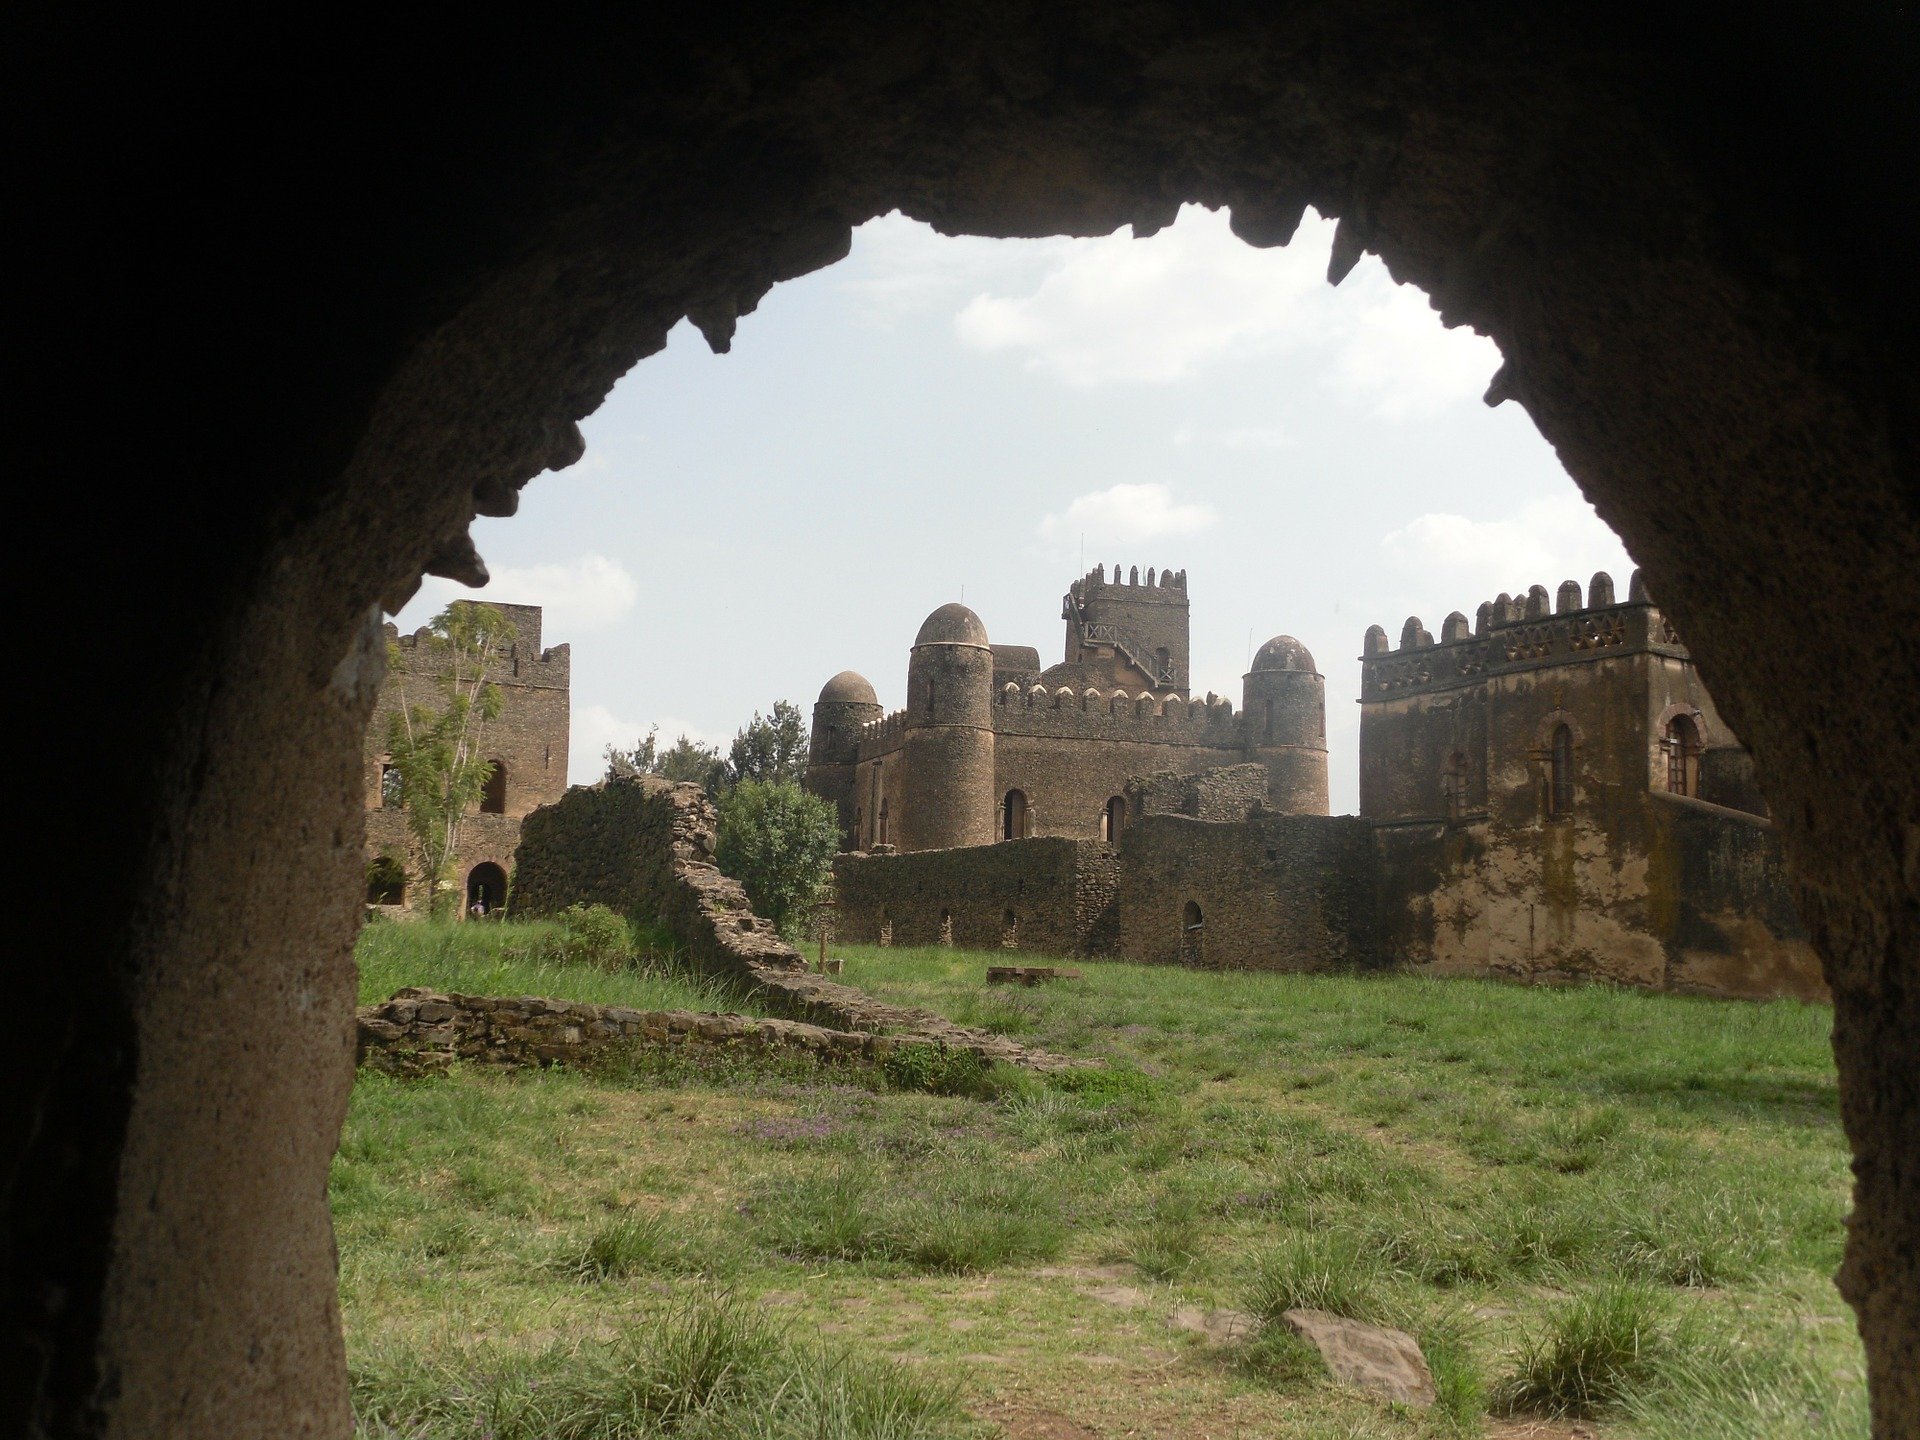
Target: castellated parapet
x,y
991,747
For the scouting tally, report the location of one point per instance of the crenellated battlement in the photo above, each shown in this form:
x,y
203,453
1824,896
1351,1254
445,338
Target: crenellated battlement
x,y
1172,582
1094,714
1513,632
525,663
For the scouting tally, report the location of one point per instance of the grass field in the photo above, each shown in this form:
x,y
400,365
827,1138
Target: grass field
x,y
1584,1202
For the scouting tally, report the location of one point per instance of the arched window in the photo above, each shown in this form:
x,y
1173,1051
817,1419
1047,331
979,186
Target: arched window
x,y
486,890
1013,815
391,794
1453,785
386,882
493,800
1683,756
1560,782
1192,925
1113,820
1009,930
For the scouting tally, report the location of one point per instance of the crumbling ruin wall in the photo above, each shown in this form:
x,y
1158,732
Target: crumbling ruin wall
x,y
1284,892
644,847
1049,896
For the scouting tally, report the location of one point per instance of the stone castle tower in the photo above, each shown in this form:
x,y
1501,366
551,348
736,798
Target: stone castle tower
x,y
1283,703
946,744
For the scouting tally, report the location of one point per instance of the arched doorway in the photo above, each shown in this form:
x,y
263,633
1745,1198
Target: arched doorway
x,y
1192,934
486,890
1013,815
1682,743
1113,819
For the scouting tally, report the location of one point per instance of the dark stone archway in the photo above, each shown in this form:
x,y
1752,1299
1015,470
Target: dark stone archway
x,y
316,305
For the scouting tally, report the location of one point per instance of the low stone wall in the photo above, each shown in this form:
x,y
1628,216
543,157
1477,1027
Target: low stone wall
x,y
1285,892
421,1031
644,847
1049,896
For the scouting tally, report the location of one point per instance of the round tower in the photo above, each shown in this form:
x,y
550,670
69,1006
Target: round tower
x,y
946,748
846,703
1284,709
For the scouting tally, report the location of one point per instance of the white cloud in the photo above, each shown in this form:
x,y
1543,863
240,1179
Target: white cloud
x,y
579,597
1401,359
899,266
1547,541
1124,515
1157,310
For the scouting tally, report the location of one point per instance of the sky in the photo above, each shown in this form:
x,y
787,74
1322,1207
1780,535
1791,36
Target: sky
x,y
939,418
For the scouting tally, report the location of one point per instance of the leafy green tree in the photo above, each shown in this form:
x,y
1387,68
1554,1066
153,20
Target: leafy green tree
x,y
438,749
771,750
685,759
779,842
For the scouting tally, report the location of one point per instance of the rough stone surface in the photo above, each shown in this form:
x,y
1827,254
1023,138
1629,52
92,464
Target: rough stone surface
x,y
421,1032
388,281
1383,1362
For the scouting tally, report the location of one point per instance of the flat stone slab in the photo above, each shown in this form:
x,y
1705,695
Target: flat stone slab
x,y
1029,974
1217,1327
1382,1362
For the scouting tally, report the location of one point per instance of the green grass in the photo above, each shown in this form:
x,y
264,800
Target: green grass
x,y
1488,1167
523,958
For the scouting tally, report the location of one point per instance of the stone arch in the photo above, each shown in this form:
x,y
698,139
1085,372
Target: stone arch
x,y
1193,922
486,890
1113,819
386,881
520,278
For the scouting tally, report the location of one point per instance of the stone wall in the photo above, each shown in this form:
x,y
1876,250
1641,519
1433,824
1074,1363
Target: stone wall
x,y
1223,792
1283,892
421,1031
644,847
1048,896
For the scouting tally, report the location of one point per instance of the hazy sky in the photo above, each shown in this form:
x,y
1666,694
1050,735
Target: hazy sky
x,y
935,419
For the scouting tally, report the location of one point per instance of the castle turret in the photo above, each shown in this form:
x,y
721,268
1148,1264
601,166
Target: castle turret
x,y
1284,705
846,703
947,738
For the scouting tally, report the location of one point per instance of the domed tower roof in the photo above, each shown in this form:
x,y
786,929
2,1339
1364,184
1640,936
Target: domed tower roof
x,y
952,625
848,688
1283,652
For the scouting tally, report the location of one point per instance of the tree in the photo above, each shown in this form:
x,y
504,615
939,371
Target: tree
x,y
771,750
685,759
437,751
779,842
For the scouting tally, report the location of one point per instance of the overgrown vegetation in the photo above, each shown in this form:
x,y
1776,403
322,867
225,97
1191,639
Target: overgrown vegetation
x,y
1490,1168
778,841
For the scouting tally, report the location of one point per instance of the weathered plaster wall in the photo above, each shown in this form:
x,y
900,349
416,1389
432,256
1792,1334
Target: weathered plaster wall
x,y
1048,896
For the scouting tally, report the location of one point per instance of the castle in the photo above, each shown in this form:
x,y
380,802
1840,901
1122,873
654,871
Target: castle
x,y
527,744
1547,793
992,747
